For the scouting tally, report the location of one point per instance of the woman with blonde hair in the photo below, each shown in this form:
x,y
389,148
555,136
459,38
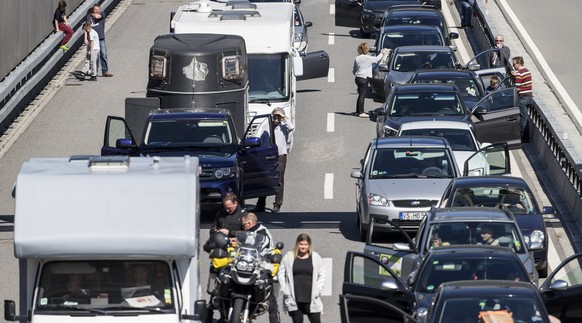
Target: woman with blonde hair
x,y
362,70
302,277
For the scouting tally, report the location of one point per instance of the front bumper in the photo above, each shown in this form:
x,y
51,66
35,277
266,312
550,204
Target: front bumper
x,y
211,191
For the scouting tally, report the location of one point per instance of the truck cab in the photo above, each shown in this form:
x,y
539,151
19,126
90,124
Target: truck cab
x,y
246,166
113,239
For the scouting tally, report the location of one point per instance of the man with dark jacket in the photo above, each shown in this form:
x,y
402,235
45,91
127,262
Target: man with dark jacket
x,y
229,219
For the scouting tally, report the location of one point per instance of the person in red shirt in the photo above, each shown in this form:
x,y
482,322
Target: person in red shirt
x,y
523,84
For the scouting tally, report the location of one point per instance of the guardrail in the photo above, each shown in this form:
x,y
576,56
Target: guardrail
x,y
557,154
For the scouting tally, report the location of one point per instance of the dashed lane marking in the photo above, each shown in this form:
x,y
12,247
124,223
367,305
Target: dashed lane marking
x,y
331,75
331,122
331,39
328,265
328,187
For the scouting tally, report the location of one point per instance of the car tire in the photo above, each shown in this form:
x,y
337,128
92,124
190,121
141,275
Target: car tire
x,y
363,232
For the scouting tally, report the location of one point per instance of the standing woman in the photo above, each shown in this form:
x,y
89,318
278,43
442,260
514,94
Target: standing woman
x,y
363,70
62,24
302,277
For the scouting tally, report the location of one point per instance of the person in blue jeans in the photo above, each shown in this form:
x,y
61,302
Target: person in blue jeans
x,y
97,20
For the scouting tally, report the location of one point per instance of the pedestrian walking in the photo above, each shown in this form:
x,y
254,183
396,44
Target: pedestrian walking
x,y
93,48
524,86
362,70
302,278
283,127
62,24
502,54
97,20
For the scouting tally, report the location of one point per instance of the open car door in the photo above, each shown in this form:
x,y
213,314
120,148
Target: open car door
x,y
118,138
259,158
315,65
562,290
347,13
496,118
365,275
491,160
364,309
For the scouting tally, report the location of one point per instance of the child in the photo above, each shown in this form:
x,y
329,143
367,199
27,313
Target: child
x,y
62,24
493,83
93,45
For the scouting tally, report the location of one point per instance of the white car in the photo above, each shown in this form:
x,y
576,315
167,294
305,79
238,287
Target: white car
x,y
459,135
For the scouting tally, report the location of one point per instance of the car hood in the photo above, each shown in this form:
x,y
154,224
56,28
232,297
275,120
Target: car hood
x,y
409,188
206,159
381,6
398,77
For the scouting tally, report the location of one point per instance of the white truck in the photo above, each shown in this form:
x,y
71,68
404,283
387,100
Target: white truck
x,y
108,239
274,64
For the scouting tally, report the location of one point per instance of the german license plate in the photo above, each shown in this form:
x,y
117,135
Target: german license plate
x,y
412,215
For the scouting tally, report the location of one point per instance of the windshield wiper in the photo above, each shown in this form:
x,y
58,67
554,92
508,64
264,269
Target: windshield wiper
x,y
76,308
267,101
127,307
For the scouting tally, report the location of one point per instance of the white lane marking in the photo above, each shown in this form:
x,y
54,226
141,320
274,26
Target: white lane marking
x,y
328,187
332,9
515,171
331,39
331,122
331,75
553,257
328,265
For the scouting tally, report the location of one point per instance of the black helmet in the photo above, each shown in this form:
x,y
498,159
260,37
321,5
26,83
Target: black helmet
x,y
220,240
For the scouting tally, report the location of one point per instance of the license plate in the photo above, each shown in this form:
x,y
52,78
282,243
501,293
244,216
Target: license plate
x,y
412,215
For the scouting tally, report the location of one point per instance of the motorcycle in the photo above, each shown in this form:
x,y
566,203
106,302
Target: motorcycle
x,y
244,285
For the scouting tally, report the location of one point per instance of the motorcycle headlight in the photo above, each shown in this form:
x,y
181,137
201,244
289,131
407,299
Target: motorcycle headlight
x,y
536,239
225,172
243,265
377,200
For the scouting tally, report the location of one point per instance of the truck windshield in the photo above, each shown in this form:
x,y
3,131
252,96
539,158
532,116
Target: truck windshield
x,y
269,77
188,133
103,286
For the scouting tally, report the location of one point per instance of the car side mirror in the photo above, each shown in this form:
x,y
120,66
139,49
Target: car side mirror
x,y
559,285
383,67
356,173
308,24
252,142
389,285
124,144
399,246
453,35
10,312
480,111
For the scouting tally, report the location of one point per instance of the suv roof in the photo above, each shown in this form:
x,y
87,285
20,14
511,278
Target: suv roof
x,y
409,27
189,113
410,141
412,7
481,214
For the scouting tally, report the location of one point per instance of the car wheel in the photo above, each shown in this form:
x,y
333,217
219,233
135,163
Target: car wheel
x,y
363,232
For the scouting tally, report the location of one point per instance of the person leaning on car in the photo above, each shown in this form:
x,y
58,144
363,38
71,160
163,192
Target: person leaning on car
x,y
362,70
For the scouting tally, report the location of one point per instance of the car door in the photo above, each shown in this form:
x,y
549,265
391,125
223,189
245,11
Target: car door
x,y
562,290
118,138
365,275
491,160
496,118
364,309
259,158
315,65
347,13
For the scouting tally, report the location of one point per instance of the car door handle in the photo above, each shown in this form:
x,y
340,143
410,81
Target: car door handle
x,y
271,157
512,119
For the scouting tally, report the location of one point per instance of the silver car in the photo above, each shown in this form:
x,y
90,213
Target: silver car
x,y
300,41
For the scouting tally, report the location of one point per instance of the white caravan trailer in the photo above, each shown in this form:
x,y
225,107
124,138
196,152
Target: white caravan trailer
x,y
108,239
268,30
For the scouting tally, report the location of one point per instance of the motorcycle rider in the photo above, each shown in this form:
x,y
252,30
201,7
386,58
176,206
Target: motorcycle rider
x,y
249,223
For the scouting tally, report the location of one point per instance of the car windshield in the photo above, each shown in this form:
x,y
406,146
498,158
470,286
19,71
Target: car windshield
x,y
426,104
411,62
392,40
466,86
445,268
104,285
176,133
475,233
503,308
411,163
459,139
519,200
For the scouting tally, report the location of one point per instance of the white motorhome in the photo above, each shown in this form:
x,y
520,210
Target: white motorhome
x,y
268,30
108,239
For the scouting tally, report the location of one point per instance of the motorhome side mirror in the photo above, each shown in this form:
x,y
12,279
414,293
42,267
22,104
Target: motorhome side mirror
x,y
10,311
124,144
252,142
298,65
200,312
280,245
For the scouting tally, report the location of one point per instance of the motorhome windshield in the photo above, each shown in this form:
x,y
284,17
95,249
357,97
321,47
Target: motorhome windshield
x,y
269,77
104,286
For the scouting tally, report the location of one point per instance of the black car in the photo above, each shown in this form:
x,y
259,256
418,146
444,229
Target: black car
x,y
404,61
419,15
512,193
366,15
495,118
468,82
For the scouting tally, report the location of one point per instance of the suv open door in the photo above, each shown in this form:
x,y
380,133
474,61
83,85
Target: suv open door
x,y
562,290
347,13
496,118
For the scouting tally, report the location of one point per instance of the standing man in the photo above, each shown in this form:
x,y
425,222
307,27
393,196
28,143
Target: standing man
x,y
283,127
500,57
97,20
229,219
523,85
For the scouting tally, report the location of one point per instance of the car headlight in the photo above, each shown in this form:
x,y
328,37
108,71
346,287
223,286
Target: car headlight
x,y
421,312
388,131
536,239
378,200
225,172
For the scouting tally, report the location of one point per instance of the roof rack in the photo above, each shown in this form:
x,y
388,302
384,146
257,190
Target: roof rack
x,y
234,15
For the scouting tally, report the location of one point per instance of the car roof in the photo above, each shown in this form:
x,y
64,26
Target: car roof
x,y
393,28
410,141
467,214
488,181
486,288
189,113
462,251
423,87
424,48
442,73
415,11
435,124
